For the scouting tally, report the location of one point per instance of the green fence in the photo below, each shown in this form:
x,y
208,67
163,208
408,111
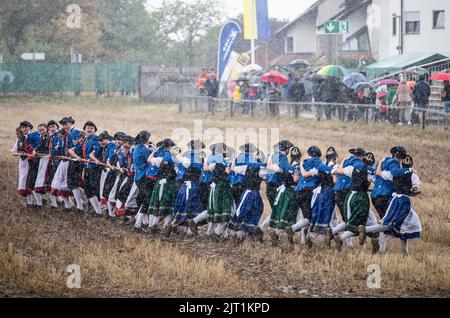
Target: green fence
x,y
50,77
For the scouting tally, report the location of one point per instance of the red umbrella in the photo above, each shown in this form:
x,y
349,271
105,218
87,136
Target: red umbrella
x,y
388,82
440,77
274,77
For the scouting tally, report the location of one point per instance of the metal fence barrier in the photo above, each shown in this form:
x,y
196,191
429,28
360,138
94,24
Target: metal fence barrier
x,y
313,110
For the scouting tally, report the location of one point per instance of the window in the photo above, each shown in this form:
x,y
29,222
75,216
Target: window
x,y
412,22
289,44
394,26
439,19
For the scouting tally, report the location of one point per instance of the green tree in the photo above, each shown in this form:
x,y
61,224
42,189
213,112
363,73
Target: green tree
x,y
186,24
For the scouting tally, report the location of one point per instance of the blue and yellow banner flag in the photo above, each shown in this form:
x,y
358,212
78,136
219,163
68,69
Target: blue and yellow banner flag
x,y
256,19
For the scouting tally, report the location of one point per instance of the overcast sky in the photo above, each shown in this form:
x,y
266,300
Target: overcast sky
x,y
282,9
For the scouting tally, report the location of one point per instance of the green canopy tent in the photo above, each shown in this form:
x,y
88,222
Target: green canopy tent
x,y
399,63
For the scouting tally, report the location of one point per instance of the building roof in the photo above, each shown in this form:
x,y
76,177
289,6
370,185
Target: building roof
x,y
400,62
308,11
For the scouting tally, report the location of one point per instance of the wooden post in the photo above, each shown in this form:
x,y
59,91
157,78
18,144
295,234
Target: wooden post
x,y
252,107
180,105
296,107
196,103
231,108
424,123
213,105
366,113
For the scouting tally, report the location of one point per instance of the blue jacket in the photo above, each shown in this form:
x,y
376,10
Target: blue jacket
x,y
153,170
92,145
33,139
56,141
196,162
312,182
343,182
140,157
385,187
282,161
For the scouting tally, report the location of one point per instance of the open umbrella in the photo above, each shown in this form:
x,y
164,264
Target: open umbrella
x,y
274,77
362,86
411,84
440,77
243,79
353,79
251,68
316,78
297,64
333,71
388,81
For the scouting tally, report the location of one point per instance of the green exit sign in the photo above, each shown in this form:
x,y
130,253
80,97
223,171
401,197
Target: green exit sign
x,y
336,27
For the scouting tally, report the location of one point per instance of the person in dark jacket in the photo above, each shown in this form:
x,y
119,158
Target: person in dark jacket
x,y
212,90
421,94
296,93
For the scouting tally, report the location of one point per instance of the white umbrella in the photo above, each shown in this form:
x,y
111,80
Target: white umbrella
x,y
251,68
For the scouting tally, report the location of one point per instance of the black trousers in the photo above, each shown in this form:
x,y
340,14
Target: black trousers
x,y
54,163
237,190
123,192
204,192
339,197
109,183
33,170
271,192
304,198
145,186
74,174
381,204
92,182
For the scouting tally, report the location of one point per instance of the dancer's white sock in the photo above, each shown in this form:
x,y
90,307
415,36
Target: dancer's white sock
x,y
339,228
263,226
53,201
67,203
167,220
139,219
382,241
346,235
201,217
300,225
220,228
240,234
110,209
38,198
210,228
96,205
77,195
30,199
279,232
376,228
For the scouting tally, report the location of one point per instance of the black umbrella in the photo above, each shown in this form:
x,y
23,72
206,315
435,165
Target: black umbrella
x,y
315,78
299,64
243,79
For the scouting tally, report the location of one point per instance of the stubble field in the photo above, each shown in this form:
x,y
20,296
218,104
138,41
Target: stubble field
x,y
37,247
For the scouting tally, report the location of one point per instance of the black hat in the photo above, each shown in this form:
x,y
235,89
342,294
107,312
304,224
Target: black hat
x,y
399,151
142,137
81,134
120,135
248,148
314,151
104,135
129,139
218,148
369,158
166,143
283,145
52,122
196,144
357,151
26,124
407,162
66,120
331,153
91,124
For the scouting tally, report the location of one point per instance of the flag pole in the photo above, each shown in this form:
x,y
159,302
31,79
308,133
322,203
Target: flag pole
x,y
252,41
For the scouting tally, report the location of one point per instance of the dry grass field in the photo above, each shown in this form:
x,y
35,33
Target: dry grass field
x,y
36,247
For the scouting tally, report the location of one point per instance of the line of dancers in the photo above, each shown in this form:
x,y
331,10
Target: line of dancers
x,y
159,188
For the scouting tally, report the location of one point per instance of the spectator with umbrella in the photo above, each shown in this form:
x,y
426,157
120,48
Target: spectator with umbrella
x,y
296,93
274,79
403,98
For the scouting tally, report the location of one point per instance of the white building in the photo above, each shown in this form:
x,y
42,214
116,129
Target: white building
x,y
379,28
